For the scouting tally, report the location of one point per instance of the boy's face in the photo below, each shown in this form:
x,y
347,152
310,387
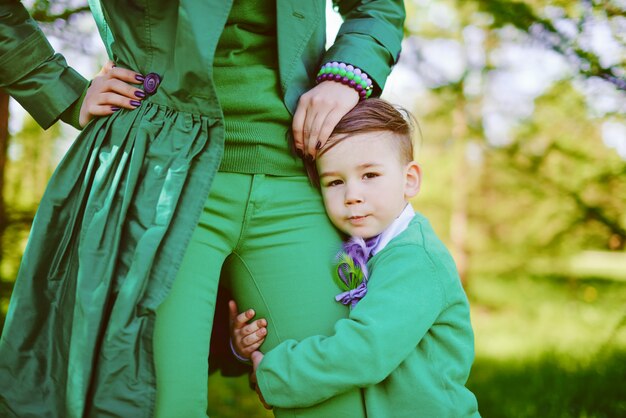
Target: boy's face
x,y
364,184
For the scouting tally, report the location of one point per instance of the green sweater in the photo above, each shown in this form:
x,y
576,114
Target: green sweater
x,y
408,342
245,72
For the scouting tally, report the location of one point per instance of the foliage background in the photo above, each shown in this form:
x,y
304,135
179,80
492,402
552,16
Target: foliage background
x,y
522,142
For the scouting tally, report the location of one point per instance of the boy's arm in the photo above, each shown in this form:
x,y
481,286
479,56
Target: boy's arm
x,y
369,37
30,71
405,297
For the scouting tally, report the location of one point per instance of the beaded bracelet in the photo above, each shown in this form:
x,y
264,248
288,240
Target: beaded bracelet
x,y
349,75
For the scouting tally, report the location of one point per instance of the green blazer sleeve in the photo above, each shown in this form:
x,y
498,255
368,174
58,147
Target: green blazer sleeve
x,y
30,71
405,297
369,37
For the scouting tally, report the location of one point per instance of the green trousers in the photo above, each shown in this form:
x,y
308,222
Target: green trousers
x,y
270,240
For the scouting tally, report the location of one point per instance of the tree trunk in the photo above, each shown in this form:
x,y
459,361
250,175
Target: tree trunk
x,y
4,146
460,187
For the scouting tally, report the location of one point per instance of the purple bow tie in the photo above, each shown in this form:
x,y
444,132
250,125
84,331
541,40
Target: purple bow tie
x,y
360,251
353,296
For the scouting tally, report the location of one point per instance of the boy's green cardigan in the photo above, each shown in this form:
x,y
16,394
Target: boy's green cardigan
x,y
408,343
78,338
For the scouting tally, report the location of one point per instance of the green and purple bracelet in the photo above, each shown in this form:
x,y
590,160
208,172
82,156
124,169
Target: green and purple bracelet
x,y
347,74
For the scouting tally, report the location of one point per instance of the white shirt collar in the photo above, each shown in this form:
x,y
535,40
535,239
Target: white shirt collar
x,y
396,227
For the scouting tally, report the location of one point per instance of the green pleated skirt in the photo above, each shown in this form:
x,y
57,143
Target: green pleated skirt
x,y
108,237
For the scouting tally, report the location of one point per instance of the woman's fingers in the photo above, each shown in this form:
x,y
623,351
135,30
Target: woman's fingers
x,y
117,100
314,118
112,89
297,126
109,100
125,89
104,107
331,121
126,75
311,124
313,143
103,110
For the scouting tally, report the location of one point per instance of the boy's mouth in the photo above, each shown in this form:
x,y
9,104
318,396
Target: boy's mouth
x,y
357,219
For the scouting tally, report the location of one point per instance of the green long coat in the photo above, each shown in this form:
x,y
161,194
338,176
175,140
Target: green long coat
x,y
117,215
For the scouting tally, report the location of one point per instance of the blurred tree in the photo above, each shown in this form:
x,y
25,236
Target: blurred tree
x,y
566,28
526,163
43,11
555,190
4,144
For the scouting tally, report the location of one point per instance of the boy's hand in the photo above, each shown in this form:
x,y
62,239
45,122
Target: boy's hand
x,y
319,110
256,357
246,337
110,91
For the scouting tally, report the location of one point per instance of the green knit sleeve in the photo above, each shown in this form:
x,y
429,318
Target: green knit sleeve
x,y
405,297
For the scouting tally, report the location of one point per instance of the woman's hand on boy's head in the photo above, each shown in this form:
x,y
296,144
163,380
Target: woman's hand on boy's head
x,y
109,91
319,111
246,337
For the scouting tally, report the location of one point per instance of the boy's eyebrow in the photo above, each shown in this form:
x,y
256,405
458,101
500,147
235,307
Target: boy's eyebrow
x,y
329,174
369,165
361,167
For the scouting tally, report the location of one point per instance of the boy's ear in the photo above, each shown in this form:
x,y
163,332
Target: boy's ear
x,y
413,180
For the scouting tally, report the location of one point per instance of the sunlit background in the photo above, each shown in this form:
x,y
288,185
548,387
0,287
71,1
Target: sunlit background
x,y
522,142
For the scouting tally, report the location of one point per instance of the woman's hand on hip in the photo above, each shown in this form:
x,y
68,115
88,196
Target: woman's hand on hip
x,y
319,111
110,90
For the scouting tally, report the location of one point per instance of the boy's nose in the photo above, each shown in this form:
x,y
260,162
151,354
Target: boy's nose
x,y
353,196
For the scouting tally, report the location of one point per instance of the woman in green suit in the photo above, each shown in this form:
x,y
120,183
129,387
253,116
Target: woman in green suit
x,y
113,306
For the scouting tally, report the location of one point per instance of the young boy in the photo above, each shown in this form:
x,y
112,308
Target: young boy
x,y
408,341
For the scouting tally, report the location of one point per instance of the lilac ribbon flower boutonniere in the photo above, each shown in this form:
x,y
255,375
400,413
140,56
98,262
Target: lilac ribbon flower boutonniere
x,y
351,274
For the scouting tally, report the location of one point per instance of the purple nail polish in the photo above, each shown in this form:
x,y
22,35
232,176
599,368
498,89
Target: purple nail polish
x,y
139,78
135,103
115,108
140,94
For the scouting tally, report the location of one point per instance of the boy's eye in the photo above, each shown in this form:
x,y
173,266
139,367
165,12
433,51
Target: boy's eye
x,y
334,183
370,175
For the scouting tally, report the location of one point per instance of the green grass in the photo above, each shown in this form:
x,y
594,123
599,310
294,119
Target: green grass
x,y
232,397
547,347
551,387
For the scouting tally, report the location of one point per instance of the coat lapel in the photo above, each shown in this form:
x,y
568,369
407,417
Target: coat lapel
x,y
296,21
